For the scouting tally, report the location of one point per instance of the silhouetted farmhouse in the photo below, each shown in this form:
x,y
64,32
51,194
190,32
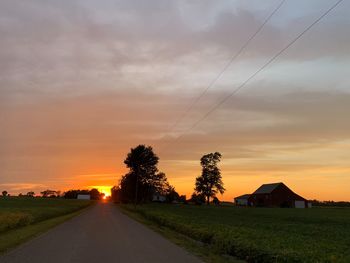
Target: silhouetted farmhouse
x,y
158,198
273,195
242,200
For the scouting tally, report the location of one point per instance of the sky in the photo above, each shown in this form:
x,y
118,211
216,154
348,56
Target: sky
x,y
81,82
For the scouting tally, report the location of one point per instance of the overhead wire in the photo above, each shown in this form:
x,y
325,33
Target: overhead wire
x,y
226,98
227,65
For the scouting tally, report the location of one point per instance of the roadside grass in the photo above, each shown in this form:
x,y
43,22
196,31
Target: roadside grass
x,y
198,249
258,234
23,218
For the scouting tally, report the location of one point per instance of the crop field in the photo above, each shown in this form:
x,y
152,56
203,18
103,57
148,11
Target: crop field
x,y
18,213
260,234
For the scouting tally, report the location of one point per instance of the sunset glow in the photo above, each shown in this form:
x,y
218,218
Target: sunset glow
x,y
106,190
81,83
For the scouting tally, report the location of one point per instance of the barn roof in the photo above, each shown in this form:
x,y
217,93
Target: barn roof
x,y
246,196
267,188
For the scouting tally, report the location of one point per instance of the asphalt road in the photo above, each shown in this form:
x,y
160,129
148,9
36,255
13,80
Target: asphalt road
x,y
100,234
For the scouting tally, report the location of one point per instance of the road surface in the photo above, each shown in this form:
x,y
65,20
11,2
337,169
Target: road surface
x,y
100,234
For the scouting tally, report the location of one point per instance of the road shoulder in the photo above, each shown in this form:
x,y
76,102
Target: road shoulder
x,y
198,249
11,239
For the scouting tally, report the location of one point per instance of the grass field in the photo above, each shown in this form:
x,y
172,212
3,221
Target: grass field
x,y
22,218
260,234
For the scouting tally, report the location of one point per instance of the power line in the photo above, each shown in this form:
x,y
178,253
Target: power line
x,y
227,65
259,70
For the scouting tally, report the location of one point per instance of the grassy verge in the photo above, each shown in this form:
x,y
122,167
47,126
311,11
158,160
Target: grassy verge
x,y
258,235
18,212
15,237
199,249
24,218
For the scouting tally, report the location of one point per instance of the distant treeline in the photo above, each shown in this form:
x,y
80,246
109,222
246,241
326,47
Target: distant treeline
x,y
330,203
71,194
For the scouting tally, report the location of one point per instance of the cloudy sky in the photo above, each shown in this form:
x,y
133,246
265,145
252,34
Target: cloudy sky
x,y
81,82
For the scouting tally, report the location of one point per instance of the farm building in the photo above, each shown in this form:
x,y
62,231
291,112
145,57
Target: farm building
x,y
276,195
158,198
83,197
242,200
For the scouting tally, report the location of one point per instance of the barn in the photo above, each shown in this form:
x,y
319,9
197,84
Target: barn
x,y
242,200
276,195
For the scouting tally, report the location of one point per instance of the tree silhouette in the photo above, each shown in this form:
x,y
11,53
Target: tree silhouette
x,y
143,178
171,195
95,194
48,193
198,199
4,193
116,194
210,182
30,194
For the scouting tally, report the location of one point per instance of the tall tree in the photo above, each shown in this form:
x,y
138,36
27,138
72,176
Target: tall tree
x,y
115,193
210,182
4,193
95,194
143,178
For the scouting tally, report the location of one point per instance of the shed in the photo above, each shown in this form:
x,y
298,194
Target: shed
x,y
83,197
276,195
242,200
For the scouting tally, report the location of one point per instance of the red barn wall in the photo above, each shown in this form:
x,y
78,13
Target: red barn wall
x,y
282,196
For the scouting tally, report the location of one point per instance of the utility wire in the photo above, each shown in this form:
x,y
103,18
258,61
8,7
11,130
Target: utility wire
x,y
259,70
227,65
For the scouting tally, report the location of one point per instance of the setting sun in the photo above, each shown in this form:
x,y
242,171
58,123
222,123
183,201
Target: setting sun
x,y
106,190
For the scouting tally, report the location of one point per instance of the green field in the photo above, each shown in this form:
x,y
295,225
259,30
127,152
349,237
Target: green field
x,y
260,234
22,218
